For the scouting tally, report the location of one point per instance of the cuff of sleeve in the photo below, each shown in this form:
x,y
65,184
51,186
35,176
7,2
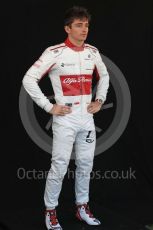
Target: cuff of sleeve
x,y
101,98
48,107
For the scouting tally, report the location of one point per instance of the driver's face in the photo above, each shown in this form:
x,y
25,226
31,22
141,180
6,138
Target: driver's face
x,y
79,29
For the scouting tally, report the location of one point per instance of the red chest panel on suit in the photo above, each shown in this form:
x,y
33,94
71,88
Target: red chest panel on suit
x,y
74,85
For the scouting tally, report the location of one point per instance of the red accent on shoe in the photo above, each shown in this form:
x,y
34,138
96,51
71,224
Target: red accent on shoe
x,y
53,217
78,215
87,210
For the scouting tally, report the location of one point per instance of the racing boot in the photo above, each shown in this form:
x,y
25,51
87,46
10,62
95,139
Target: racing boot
x,y
51,220
83,214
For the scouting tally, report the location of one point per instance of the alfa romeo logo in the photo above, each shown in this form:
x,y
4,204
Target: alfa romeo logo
x,y
110,122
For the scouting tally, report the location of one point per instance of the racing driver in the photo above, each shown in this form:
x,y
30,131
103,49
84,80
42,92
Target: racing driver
x,y
70,67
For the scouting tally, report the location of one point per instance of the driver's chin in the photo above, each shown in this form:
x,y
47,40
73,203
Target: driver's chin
x,y
82,39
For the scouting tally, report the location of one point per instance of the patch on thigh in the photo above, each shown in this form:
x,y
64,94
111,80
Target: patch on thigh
x,y
90,136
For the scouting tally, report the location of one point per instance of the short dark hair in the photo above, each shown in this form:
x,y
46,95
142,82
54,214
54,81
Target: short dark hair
x,y
76,12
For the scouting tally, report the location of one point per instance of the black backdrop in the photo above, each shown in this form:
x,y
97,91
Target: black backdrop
x,y
122,31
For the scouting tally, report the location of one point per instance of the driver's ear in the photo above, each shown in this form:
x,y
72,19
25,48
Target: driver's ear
x,y
67,29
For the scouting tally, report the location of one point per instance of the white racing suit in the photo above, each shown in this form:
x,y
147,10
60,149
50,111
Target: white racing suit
x,y
70,70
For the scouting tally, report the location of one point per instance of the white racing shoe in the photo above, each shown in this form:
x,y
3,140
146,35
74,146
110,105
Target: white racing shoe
x,y
51,220
83,214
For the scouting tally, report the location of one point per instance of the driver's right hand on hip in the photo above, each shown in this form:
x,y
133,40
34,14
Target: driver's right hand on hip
x,y
60,110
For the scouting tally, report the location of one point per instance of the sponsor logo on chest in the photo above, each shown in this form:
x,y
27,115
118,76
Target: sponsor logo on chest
x,y
67,64
70,80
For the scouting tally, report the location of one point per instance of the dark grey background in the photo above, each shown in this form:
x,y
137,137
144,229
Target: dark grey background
x,y
122,31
